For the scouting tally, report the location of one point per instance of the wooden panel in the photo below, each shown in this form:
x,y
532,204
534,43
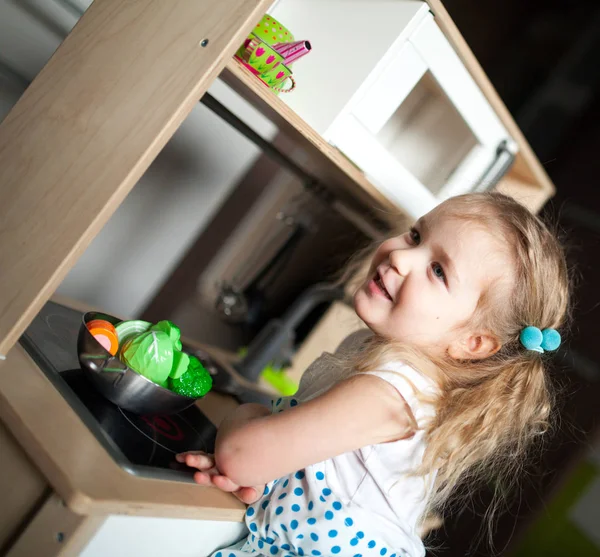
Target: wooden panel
x,y
530,195
55,531
77,466
22,486
91,123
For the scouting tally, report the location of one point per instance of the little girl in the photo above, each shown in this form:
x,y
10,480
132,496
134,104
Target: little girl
x,y
447,385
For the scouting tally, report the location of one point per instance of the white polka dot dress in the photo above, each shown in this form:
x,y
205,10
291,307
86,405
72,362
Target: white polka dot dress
x,y
327,508
299,515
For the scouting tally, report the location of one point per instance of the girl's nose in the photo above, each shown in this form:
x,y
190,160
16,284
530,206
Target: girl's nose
x,y
403,260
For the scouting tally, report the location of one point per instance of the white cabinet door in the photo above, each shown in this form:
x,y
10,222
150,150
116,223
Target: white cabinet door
x,y
133,536
420,127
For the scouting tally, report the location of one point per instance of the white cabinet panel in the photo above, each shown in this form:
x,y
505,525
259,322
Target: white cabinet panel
x,y
132,536
420,128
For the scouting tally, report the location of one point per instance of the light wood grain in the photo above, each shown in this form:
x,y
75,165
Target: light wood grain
x,y
530,195
22,486
77,466
55,531
90,124
527,165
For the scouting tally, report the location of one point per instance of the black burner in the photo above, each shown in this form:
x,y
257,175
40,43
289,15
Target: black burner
x,y
142,445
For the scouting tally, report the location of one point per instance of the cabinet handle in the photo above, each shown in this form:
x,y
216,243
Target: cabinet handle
x,y
502,162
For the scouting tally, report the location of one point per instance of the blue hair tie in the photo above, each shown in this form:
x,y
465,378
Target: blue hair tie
x,y
540,341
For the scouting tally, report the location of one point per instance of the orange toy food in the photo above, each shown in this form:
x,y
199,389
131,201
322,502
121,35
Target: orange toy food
x,y
105,333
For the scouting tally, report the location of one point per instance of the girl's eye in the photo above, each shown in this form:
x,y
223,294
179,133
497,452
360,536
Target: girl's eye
x,y
438,271
414,236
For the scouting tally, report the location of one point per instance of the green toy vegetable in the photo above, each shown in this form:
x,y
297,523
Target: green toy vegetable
x,y
151,355
181,362
172,330
195,382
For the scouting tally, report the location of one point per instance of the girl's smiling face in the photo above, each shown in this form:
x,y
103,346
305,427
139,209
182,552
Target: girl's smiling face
x,y
424,286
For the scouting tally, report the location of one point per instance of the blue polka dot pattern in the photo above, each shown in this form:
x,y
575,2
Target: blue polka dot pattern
x,y
293,402
219,554
307,520
278,401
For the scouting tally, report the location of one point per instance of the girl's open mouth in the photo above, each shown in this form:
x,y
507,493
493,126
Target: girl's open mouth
x,y
377,287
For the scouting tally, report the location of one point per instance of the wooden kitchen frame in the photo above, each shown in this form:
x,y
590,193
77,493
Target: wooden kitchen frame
x,y
73,147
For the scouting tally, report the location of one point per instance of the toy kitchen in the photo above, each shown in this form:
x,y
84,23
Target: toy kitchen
x,y
348,134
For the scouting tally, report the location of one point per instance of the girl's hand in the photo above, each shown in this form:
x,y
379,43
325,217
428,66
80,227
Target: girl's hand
x,y
208,475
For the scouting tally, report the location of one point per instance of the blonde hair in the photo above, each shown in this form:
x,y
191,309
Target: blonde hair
x,y
490,411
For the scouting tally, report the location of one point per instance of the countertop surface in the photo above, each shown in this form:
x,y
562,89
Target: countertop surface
x,y
80,470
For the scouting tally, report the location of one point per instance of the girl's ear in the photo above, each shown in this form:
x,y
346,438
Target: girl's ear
x,y
474,346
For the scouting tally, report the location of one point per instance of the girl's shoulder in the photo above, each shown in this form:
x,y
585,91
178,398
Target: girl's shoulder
x,y
353,342
418,390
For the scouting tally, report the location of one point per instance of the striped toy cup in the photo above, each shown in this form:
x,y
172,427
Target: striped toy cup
x,y
292,51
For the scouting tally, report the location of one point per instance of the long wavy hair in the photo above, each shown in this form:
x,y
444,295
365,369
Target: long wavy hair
x,y
490,411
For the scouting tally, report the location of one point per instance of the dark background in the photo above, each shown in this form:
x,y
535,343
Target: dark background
x,y
543,57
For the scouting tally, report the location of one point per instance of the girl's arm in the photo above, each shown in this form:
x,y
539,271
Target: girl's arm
x,y
254,446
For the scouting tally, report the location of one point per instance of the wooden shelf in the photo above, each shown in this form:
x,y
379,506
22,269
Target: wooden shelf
x,y
90,124
307,148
